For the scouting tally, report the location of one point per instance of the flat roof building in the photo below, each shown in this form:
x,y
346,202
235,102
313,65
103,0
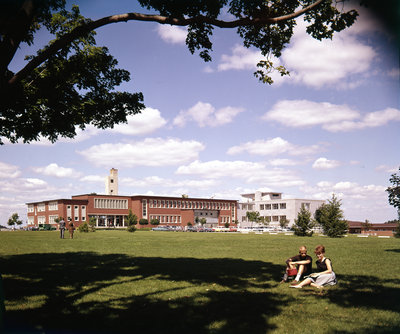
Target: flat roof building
x,y
273,208
111,210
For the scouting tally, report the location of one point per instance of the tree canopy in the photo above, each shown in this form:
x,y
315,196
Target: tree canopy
x,y
72,82
330,217
394,192
303,224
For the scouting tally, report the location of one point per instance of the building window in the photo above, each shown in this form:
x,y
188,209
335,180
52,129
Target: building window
x,y
41,207
144,208
275,218
261,206
275,206
52,219
267,206
76,218
30,208
305,206
42,219
101,203
282,205
53,206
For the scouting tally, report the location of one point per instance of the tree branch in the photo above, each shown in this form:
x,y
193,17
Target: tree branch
x,y
82,30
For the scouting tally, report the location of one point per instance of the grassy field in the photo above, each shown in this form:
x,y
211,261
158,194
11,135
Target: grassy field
x,y
174,282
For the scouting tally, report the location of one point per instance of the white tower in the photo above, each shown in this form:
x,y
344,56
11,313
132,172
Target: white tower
x,y
112,182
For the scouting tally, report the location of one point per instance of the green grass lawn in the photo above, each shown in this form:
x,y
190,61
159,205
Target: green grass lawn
x,y
174,282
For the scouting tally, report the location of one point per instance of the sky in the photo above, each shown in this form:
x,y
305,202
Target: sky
x,y
212,130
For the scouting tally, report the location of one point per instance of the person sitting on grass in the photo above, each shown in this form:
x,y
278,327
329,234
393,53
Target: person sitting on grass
x,y
302,262
324,276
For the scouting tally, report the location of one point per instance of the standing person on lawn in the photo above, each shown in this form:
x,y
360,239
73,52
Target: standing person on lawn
x,y
325,274
62,228
71,229
302,262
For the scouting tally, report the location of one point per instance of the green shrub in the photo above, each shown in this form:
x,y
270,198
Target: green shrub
x,y
84,227
131,228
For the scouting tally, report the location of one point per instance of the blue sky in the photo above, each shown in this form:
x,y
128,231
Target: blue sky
x,y
212,130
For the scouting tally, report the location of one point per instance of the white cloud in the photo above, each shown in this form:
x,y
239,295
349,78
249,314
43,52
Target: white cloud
x,y
204,114
172,34
324,163
156,181
331,117
93,178
283,162
273,146
9,171
343,62
240,59
386,169
334,63
303,113
251,172
149,152
54,170
148,121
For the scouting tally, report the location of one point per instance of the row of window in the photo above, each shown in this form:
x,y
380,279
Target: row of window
x,y
166,219
188,204
274,206
108,203
268,219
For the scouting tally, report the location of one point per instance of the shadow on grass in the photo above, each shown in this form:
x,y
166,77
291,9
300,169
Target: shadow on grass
x,y
393,250
366,291
68,287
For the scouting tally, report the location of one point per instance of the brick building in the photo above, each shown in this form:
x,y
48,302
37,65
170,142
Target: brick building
x,y
111,210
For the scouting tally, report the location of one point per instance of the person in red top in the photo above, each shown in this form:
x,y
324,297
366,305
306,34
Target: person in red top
x,y
302,262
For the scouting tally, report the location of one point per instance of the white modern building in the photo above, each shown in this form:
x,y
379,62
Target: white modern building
x,y
273,208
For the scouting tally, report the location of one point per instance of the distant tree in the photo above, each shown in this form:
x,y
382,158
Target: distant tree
x,y
394,192
203,221
226,225
92,224
366,225
189,224
394,199
143,221
283,222
197,220
303,224
14,220
236,222
393,221
71,82
330,217
131,221
84,227
254,217
154,222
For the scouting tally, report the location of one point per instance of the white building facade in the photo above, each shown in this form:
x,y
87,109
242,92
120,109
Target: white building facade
x,y
273,208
